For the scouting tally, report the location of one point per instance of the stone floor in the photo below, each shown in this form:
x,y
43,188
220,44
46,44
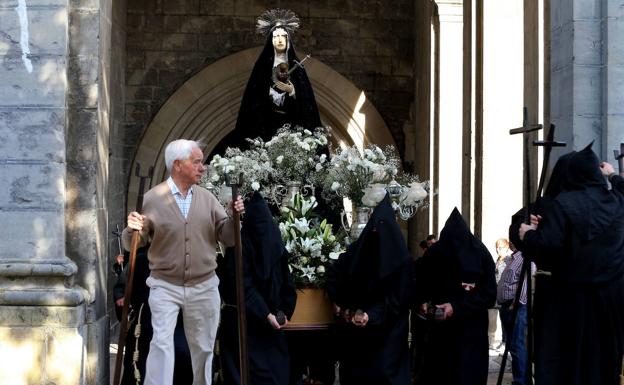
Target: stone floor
x,y
495,362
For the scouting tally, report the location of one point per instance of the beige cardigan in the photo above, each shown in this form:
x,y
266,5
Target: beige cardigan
x,y
182,251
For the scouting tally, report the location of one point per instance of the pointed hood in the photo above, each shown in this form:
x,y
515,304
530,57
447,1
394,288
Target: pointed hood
x,y
381,245
557,180
588,203
262,240
458,243
584,170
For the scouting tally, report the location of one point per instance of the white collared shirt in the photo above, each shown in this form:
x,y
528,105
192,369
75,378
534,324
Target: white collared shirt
x,y
183,203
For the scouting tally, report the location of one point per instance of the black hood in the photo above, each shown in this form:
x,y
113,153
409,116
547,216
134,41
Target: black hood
x,y
557,180
262,234
584,171
380,248
459,244
588,203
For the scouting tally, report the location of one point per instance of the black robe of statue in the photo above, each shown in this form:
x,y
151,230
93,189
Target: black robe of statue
x,y
458,269
258,116
547,293
183,370
582,229
268,289
374,275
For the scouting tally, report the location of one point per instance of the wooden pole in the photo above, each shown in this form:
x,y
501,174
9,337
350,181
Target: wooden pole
x,y
478,182
467,114
526,130
436,117
240,285
123,329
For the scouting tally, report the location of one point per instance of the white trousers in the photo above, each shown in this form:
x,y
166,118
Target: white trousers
x,y
200,306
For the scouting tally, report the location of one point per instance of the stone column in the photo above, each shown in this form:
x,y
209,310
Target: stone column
x,y
53,152
449,191
587,74
613,77
42,311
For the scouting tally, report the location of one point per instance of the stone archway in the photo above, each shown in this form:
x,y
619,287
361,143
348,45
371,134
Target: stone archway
x,y
206,107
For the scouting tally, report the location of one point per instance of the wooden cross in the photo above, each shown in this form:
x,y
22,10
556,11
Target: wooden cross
x,y
525,272
525,130
548,144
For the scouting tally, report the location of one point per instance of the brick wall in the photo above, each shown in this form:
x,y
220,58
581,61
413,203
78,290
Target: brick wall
x,y
369,42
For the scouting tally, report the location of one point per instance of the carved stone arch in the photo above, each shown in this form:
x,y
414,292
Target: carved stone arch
x,y
206,106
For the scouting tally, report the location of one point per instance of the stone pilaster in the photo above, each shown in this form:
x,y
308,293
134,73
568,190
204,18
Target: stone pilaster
x,y
53,323
42,311
587,67
613,77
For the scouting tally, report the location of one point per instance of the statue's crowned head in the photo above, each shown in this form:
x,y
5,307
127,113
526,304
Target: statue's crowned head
x,y
275,20
280,39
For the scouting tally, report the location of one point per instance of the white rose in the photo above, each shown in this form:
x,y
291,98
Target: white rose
x,y
373,194
279,159
334,255
335,186
255,185
414,194
320,269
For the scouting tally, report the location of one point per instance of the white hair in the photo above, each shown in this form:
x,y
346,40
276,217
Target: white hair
x,y
179,150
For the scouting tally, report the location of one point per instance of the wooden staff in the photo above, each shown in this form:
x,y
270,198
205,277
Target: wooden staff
x,y
525,272
123,329
240,287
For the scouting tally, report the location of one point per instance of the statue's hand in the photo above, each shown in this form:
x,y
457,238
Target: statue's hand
x,y
286,87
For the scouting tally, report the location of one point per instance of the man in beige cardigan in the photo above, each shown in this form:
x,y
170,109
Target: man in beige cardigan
x,y
183,223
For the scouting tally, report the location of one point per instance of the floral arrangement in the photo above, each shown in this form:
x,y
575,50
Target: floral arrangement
x,y
254,164
290,156
350,172
310,241
292,152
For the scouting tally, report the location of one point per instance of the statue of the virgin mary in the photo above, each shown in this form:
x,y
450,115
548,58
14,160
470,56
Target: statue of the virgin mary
x,y
278,91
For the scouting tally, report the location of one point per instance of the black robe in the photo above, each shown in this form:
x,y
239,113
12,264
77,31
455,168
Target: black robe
x,y
458,269
268,289
545,313
182,370
374,275
258,116
583,230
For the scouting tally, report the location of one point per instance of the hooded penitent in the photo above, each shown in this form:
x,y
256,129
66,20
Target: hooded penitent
x,y
458,270
374,276
581,231
268,290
